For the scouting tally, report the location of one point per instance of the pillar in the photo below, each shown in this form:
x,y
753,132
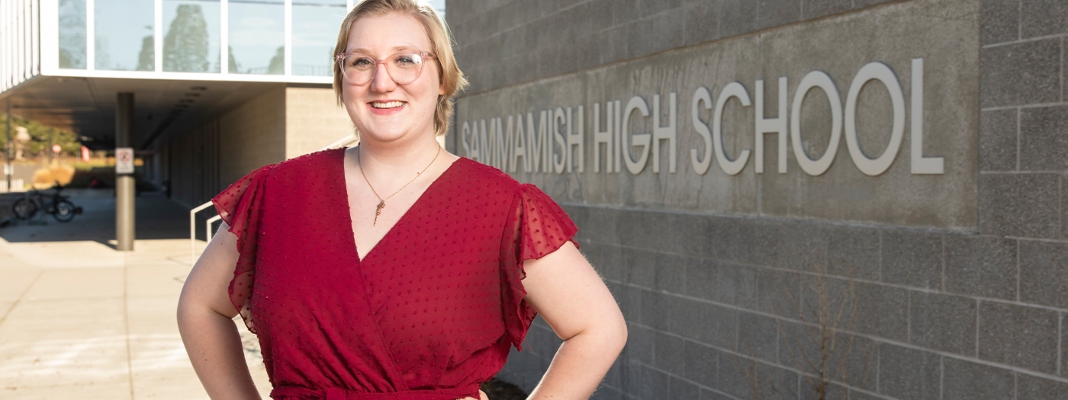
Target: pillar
x,y
124,183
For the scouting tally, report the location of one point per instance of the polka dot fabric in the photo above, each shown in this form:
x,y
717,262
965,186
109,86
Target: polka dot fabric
x,y
429,313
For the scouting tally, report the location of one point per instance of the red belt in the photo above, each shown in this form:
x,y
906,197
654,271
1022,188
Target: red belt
x,y
344,394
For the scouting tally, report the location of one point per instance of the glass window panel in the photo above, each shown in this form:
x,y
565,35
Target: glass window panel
x,y
257,37
191,35
72,44
315,26
124,35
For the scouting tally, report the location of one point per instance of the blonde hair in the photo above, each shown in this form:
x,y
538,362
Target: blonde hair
x,y
452,79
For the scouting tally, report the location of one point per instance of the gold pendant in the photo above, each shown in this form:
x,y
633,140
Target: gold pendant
x,y
378,211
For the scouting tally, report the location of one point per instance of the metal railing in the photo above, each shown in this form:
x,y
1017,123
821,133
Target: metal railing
x,y
347,140
16,185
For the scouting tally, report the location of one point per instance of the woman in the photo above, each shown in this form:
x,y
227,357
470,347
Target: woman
x,y
394,269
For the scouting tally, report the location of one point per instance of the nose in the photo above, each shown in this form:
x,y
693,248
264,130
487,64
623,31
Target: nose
x,y
381,81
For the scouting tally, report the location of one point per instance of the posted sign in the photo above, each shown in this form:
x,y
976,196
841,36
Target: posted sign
x,y
124,160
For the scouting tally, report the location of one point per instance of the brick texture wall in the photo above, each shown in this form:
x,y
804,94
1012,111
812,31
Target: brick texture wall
x,y
725,306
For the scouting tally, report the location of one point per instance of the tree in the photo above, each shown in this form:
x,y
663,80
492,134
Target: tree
x,y
72,45
185,47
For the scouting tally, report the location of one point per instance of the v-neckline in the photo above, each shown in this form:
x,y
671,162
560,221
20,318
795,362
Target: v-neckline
x,y
403,218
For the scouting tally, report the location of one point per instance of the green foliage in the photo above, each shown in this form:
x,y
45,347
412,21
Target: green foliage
x,y
185,47
39,138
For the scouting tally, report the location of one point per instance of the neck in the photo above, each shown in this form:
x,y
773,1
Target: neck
x,y
397,157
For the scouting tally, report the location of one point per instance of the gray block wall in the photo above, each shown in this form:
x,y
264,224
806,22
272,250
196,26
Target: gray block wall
x,y
726,304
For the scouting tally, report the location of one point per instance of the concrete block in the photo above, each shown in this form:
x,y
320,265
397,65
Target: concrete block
x,y
804,245
713,281
701,363
882,311
1020,73
774,13
702,22
912,258
1020,336
868,3
999,21
942,322
706,323
659,271
968,380
739,376
1042,277
610,261
1019,205
679,389
764,242
1033,387
981,266
738,17
654,383
853,252
640,344
998,140
1064,349
853,360
1043,18
769,291
1044,138
906,373
709,394
669,353
626,11
629,299
607,393
812,9
655,33
758,336
613,44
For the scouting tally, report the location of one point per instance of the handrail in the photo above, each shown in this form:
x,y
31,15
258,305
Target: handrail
x,y
193,213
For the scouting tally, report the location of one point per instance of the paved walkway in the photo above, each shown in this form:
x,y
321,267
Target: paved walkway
x,y
79,319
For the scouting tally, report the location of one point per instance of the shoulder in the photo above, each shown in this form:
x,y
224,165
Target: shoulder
x,y
311,162
479,175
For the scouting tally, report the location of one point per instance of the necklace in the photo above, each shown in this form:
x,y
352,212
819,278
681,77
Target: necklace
x,y
381,201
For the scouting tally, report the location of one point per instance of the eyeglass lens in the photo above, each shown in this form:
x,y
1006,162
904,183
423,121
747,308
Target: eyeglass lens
x,y
402,68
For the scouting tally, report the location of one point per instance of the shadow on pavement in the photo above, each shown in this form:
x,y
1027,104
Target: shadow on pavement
x,y
157,218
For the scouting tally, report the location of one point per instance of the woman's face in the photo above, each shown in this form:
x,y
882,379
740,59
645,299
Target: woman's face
x,y
381,109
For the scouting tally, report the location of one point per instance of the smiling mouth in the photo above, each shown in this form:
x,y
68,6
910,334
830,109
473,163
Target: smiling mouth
x,y
388,104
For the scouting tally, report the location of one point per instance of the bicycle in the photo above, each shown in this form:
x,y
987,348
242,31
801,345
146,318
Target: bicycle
x,y
60,206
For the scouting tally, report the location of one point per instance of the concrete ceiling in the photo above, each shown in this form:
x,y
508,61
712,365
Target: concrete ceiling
x,y
86,106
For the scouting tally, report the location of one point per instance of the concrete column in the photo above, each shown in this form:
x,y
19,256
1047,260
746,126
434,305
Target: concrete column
x,y
7,151
124,183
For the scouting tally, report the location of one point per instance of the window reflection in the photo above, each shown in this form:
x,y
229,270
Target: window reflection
x,y
257,37
72,44
124,35
315,24
191,38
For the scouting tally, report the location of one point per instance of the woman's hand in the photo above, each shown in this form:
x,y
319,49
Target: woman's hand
x,y
564,288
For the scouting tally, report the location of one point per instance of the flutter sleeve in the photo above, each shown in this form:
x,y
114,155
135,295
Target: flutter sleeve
x,y
241,205
538,226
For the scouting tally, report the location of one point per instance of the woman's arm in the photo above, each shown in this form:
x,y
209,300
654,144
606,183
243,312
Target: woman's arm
x,y
205,320
570,296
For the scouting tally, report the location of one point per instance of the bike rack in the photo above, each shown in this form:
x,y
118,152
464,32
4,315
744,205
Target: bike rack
x,y
193,213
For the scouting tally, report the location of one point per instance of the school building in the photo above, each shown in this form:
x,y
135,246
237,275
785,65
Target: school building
x,y
861,199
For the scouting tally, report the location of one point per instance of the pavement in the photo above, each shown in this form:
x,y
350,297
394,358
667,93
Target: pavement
x,y
81,320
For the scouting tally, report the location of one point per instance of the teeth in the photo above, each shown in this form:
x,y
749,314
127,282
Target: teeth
x,y
391,104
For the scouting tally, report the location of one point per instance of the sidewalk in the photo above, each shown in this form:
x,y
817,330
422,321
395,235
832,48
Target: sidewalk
x,y
79,319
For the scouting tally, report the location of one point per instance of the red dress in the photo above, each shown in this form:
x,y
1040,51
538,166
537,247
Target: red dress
x,y
429,313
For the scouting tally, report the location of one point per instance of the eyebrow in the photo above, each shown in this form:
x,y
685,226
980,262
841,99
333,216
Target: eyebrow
x,y
394,50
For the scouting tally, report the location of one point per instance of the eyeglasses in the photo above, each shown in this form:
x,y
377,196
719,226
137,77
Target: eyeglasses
x,y
403,67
